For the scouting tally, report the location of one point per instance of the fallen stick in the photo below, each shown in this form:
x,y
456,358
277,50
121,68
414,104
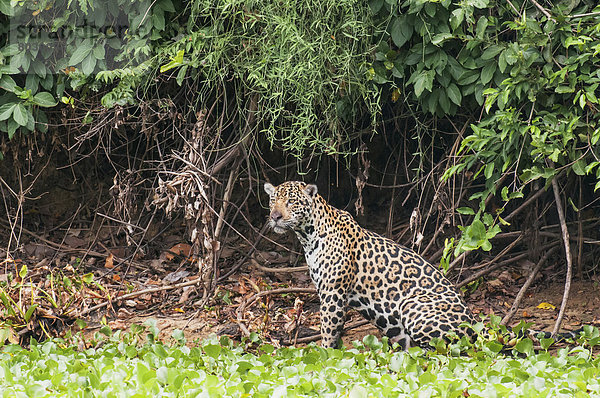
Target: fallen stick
x,y
138,293
255,263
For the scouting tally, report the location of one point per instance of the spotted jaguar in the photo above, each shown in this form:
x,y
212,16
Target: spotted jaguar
x,y
407,298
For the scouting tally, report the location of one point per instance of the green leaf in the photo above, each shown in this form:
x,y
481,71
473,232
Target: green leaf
x,y
99,52
457,17
546,343
20,114
487,73
582,101
88,64
23,271
441,37
375,5
10,50
564,89
29,312
486,245
454,94
6,110
160,351
7,8
479,3
444,101
88,278
8,83
492,51
482,24
591,166
466,211
212,350
477,230
158,20
175,62
579,167
44,99
81,51
166,5
524,346
489,170
401,30
504,194
12,127
358,391
424,80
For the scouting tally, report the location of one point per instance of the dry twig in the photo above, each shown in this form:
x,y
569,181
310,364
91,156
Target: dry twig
x,y
278,270
138,293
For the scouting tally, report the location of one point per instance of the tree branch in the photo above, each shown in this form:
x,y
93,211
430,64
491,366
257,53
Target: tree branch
x,y
565,235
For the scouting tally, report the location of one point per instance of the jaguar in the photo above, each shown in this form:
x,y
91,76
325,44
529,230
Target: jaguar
x,y
392,286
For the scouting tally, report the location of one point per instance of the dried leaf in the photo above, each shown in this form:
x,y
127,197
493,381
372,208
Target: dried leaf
x,y
546,306
495,283
109,261
180,249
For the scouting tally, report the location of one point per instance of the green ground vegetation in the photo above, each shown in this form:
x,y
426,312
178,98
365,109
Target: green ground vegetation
x,y
120,365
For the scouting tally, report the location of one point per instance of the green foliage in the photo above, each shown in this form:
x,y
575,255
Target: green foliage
x,y
304,62
25,304
323,72
47,47
535,77
130,364
436,52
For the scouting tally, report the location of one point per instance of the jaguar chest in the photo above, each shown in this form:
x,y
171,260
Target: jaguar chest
x,y
315,254
327,255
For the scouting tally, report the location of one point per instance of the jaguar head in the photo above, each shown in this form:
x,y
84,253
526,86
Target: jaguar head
x,y
290,204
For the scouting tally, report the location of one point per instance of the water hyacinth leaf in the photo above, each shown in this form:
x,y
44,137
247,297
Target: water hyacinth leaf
x,y
212,350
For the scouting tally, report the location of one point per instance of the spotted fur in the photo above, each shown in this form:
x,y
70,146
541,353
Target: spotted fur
x,y
407,298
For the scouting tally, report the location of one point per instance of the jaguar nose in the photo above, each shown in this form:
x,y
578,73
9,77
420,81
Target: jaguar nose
x,y
276,215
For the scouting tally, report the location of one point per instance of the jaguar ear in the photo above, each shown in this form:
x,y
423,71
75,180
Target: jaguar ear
x,y
269,188
310,190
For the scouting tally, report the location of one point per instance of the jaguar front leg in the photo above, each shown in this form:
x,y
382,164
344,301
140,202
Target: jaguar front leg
x,y
333,316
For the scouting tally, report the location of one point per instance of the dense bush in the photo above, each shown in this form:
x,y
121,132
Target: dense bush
x,y
521,76
524,77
